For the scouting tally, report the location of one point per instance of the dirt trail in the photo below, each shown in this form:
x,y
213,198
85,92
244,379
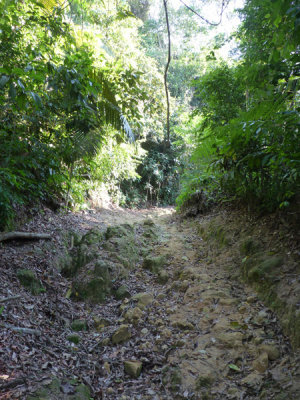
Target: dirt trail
x,y
224,342
186,331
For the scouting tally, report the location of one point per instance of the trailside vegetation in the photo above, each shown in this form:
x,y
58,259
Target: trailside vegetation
x,y
66,95
246,115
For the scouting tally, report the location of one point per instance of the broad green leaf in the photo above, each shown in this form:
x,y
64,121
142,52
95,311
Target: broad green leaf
x,y
3,80
234,367
36,98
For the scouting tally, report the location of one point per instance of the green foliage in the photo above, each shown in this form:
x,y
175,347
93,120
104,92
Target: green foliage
x,y
220,95
198,176
250,113
60,98
158,172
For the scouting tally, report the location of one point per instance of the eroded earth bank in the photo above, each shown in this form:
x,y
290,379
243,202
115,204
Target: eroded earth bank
x,y
145,305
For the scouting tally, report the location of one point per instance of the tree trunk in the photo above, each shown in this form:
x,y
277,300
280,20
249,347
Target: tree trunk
x,y
166,73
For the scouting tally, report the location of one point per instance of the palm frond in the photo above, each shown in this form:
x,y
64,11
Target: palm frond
x,y
80,144
109,108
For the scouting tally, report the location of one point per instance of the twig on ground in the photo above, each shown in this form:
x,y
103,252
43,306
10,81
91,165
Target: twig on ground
x,y
21,330
9,298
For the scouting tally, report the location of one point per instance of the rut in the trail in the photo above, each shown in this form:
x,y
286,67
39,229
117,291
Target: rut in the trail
x,y
174,324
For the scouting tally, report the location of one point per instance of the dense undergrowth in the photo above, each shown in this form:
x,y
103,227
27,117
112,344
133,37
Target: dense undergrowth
x,y
247,115
66,102
82,106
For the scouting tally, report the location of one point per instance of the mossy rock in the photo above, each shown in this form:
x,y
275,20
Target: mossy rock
x,y
83,254
154,264
127,250
162,277
48,391
94,284
134,316
65,265
133,368
118,231
55,390
121,335
93,236
100,323
82,393
289,315
29,280
121,243
122,293
124,248
94,290
143,299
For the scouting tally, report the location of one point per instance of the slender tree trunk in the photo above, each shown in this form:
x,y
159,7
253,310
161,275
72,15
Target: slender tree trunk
x,y
166,72
71,169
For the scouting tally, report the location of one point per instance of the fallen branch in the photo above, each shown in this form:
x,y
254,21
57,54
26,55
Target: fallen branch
x,y
23,235
21,330
9,298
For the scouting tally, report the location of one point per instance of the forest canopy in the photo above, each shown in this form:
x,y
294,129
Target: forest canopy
x,y
83,104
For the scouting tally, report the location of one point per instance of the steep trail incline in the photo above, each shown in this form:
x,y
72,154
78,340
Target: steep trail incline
x,y
174,324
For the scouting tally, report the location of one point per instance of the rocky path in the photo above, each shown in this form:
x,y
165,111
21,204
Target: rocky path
x,y
174,323
220,340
